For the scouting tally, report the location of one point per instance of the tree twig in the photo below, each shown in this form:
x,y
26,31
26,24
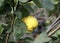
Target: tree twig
x,y
7,38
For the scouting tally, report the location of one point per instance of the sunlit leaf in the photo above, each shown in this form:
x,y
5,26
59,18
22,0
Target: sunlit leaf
x,y
55,1
23,0
15,1
1,2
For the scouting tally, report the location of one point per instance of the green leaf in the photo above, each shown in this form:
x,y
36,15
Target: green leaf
x,y
24,11
2,41
10,2
1,28
42,38
5,9
38,3
55,1
57,33
33,5
23,0
1,2
18,14
12,38
28,7
15,1
19,29
47,4
15,4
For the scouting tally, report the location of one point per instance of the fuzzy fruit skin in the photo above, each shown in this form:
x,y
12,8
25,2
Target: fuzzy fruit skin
x,y
31,22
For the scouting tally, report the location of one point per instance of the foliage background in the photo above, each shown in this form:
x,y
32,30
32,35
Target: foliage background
x,y
13,30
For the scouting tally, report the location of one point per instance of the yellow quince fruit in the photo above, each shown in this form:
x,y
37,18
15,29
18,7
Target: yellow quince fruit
x,y
31,22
